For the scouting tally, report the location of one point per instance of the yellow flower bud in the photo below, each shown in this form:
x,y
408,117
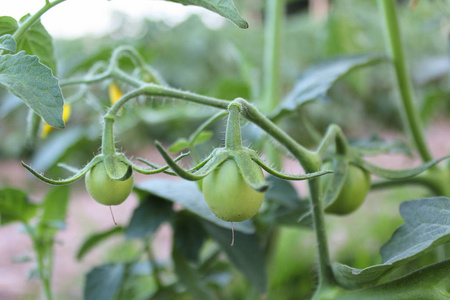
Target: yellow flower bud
x,y
114,93
67,109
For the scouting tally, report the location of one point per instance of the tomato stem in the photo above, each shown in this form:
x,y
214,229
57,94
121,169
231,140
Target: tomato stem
x,y
233,138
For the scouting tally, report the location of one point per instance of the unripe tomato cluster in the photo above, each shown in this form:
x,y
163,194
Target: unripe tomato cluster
x,y
105,190
229,196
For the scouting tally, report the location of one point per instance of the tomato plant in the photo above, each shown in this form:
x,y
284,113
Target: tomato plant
x,y
147,85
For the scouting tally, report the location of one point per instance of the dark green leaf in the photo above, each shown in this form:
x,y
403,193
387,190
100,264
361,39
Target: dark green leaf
x,y
95,239
148,216
432,282
189,235
55,147
225,8
8,25
179,145
374,145
246,253
426,227
191,278
315,83
14,206
37,41
190,197
24,76
103,282
7,43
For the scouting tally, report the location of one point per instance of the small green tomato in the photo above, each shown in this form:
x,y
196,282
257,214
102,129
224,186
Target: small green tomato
x,y
105,190
228,195
353,192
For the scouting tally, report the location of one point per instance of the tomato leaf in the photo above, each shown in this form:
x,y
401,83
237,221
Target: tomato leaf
x,y
374,145
179,145
14,206
189,235
203,137
225,8
187,194
246,254
426,227
316,81
24,76
148,216
8,25
7,43
55,210
95,239
103,282
431,282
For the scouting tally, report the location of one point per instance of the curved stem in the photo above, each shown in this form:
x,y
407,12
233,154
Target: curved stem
x,y
411,118
335,136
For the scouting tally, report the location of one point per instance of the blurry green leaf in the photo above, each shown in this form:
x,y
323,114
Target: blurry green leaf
x,y
55,205
187,194
432,282
232,88
315,82
246,254
203,137
8,25
14,206
225,8
189,235
179,145
103,282
37,41
190,278
148,216
340,166
374,145
55,147
7,43
427,226
95,239
24,76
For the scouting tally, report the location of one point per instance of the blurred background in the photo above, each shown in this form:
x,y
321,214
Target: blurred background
x,y
196,50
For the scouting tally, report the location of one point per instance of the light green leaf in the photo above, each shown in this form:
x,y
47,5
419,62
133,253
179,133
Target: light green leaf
x,y
14,206
55,208
190,197
225,8
179,145
8,25
95,239
203,137
103,282
7,43
427,226
316,81
24,76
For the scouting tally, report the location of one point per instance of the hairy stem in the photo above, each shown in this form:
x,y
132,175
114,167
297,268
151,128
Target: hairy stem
x,y
411,118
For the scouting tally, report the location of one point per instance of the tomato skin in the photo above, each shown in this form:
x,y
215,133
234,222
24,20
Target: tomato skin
x,y
228,195
353,193
105,190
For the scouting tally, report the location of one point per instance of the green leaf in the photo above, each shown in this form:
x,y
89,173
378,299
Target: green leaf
x,y
203,137
37,41
148,216
14,206
191,278
187,194
95,239
24,76
103,282
246,254
316,81
189,235
8,25
432,282
225,8
7,43
55,207
179,145
374,145
426,227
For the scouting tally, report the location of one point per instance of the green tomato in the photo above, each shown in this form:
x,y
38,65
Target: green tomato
x,y
105,190
228,195
353,193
